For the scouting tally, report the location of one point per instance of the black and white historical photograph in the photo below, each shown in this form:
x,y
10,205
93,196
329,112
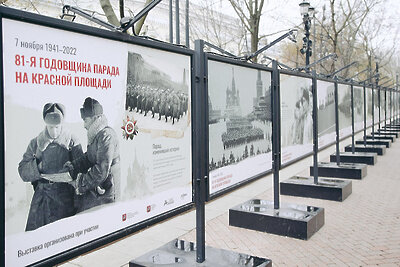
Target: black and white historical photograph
x,y
156,95
344,108
383,104
368,97
65,179
296,116
376,105
358,108
240,122
158,107
326,112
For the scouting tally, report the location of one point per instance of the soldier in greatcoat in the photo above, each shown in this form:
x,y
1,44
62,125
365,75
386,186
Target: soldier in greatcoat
x,y
175,108
99,168
46,154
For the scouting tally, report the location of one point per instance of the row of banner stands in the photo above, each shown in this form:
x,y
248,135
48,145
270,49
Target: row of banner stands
x,y
247,215
293,220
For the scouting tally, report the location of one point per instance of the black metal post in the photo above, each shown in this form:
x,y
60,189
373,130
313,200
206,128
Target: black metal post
x,y
385,107
276,131
171,22
3,152
315,125
352,120
337,122
397,97
373,111
365,114
379,95
307,26
177,36
391,106
199,148
379,108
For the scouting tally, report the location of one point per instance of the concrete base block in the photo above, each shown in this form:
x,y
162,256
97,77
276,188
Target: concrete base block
x,y
329,189
183,253
292,220
357,157
344,170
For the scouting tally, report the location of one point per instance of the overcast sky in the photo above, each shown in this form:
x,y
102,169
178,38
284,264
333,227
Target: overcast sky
x,y
280,15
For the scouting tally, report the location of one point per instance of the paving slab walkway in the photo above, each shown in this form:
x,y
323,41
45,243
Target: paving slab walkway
x,y
364,230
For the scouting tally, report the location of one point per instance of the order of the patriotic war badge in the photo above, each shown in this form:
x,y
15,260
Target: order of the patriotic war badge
x,y
130,128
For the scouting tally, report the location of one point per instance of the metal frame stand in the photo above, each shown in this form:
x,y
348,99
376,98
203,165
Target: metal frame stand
x,y
370,144
353,156
323,188
340,169
180,251
297,221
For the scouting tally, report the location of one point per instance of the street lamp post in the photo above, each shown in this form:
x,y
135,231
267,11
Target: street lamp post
x,y
307,13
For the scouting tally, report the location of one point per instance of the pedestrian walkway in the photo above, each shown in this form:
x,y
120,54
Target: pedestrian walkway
x,y
364,230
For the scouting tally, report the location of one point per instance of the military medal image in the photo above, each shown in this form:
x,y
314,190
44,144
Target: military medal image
x,y
130,128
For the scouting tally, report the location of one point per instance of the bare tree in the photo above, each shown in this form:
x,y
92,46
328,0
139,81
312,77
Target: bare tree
x,y
353,30
112,17
216,28
249,12
109,12
378,45
345,20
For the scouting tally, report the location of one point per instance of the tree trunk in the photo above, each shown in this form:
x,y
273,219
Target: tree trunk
x,y
140,23
254,42
109,12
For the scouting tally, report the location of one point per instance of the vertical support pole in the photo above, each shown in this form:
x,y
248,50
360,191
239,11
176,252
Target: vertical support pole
x,y
315,125
379,95
379,108
352,119
397,97
276,133
365,113
391,105
187,24
314,52
177,30
199,148
2,150
307,26
385,107
373,111
171,22
337,122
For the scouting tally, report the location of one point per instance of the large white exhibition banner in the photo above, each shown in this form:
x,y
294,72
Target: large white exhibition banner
x,y
90,145
296,117
326,113
240,124
358,108
344,110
